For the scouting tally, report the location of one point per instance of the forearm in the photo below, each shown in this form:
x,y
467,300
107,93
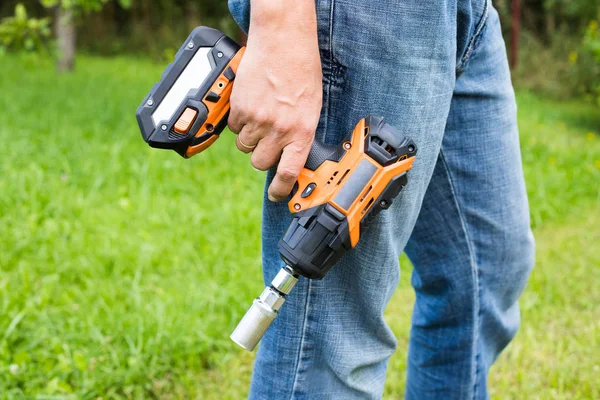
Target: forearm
x,y
286,29
296,15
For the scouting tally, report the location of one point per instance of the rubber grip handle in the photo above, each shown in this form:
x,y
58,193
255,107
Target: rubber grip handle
x,y
321,152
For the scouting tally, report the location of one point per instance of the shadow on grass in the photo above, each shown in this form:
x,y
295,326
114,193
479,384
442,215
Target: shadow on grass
x,y
586,122
578,116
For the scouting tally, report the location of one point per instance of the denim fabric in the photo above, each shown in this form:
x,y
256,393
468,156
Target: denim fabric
x,y
438,72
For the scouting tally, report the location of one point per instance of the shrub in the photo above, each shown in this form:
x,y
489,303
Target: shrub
x,y
586,62
565,67
544,67
21,33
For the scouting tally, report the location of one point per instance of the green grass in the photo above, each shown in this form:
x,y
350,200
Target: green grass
x,y
123,269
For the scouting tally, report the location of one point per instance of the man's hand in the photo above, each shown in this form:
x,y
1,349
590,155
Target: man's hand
x,y
277,95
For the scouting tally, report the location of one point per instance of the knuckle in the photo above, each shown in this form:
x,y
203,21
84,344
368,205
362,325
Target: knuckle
x,y
282,126
261,117
234,116
250,135
299,150
287,174
233,125
278,191
246,135
235,120
306,130
277,195
235,104
260,162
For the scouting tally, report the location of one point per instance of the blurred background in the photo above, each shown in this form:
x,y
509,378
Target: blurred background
x,y
124,269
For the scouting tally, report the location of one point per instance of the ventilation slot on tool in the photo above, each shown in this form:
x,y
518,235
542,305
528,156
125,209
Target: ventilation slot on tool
x,y
366,193
383,145
343,176
331,179
368,205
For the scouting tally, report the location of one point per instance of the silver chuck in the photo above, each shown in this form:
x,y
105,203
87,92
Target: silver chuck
x,y
264,309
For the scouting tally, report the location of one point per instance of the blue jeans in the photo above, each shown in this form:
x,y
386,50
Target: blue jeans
x,y
437,71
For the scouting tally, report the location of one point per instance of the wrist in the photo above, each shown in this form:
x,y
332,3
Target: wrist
x,y
286,14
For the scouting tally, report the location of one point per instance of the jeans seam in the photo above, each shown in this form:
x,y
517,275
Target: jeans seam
x,y
471,47
303,336
331,5
337,71
326,100
326,111
476,310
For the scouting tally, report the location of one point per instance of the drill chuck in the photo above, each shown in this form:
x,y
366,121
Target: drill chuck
x,y
264,310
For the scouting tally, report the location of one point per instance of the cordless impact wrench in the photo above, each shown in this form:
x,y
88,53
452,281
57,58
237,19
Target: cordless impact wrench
x,y
340,189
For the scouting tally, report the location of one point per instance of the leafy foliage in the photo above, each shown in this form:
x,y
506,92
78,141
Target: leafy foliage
x,y
85,6
20,32
580,9
157,27
586,62
591,40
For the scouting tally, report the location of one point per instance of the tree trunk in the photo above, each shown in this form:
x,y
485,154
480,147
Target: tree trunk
x,y
65,35
550,26
514,34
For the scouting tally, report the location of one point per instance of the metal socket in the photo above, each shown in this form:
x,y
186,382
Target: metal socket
x,y
257,319
264,310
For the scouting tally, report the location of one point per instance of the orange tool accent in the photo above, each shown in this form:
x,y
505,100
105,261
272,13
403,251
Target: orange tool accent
x,y
330,177
218,111
185,121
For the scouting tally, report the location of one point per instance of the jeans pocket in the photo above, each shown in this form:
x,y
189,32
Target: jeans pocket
x,y
475,40
240,11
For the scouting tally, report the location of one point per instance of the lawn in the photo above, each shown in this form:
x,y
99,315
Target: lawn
x,y
124,269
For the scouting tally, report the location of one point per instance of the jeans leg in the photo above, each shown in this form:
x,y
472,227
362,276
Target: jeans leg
x,y
398,60
472,247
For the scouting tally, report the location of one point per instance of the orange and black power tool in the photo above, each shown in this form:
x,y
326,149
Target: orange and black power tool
x,y
340,189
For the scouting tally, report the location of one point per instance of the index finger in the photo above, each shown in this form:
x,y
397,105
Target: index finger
x,y
290,165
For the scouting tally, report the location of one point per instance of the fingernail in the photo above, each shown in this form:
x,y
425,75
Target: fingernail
x,y
271,198
256,169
